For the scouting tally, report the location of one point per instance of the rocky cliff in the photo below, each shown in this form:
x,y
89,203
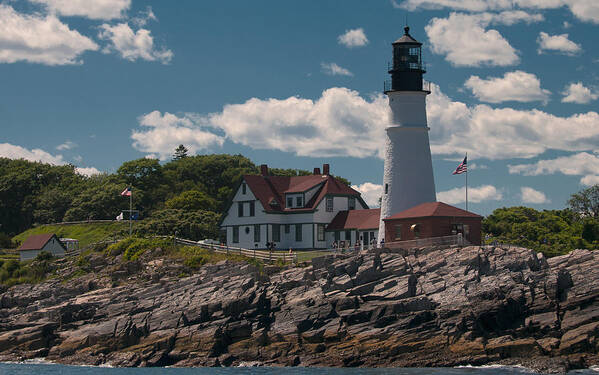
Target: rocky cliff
x,y
423,307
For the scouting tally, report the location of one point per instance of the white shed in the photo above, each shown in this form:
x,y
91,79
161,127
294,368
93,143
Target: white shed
x,y
41,242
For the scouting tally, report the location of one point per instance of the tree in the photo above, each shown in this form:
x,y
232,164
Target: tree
x,y
586,202
180,152
192,200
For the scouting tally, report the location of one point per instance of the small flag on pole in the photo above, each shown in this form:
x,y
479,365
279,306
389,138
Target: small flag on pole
x,y
463,167
126,192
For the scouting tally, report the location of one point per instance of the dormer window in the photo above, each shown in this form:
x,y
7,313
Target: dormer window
x,y
329,204
351,203
244,188
299,202
289,202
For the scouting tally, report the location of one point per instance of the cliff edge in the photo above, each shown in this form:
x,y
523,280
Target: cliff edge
x,y
423,307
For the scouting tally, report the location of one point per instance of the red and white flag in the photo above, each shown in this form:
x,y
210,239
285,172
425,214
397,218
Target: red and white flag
x,y
126,192
463,167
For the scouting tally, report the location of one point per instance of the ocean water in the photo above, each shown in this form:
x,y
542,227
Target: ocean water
x,y
52,369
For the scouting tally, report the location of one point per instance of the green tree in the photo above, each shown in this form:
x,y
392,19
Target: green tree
x,y
586,202
192,200
180,152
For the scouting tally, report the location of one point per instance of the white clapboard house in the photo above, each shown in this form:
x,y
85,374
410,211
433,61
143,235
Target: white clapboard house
x,y
292,212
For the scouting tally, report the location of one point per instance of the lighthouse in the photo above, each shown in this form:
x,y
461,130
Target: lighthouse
x,y
408,175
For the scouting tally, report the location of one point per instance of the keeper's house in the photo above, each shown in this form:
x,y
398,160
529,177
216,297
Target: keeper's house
x,y
35,244
292,212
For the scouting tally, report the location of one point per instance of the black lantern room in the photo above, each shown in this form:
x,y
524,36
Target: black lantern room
x,y
407,70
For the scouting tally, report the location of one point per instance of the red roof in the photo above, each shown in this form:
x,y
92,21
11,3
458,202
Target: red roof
x,y
36,242
272,189
356,219
432,209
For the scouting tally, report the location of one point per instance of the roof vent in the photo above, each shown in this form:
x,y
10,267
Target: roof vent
x,y
325,169
316,171
264,170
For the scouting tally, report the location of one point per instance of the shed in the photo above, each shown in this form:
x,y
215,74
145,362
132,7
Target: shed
x,y
35,244
433,219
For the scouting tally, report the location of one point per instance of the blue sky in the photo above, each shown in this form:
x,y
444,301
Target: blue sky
x,y
298,84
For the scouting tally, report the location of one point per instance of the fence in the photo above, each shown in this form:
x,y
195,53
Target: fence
x,y
256,254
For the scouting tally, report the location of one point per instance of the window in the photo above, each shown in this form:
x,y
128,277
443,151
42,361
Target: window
x,y
289,202
252,208
348,235
287,228
276,232
243,188
351,203
329,204
416,230
386,188
240,209
298,202
257,233
397,232
235,234
298,232
320,232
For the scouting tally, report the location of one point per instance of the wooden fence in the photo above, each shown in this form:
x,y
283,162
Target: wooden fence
x,y
269,256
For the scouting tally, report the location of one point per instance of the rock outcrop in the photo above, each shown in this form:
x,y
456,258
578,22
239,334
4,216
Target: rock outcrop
x,y
422,307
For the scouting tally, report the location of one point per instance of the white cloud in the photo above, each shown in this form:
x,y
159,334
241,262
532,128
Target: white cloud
x,y
96,9
475,194
505,133
590,180
308,127
334,69
17,152
371,193
321,127
477,46
133,45
584,10
578,93
163,133
577,164
530,195
353,38
90,171
67,145
39,39
558,43
144,17
10,151
517,86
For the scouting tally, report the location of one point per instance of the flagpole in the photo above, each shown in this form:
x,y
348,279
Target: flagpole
x,y
466,183
131,210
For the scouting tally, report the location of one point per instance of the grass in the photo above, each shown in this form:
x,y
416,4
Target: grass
x,y
86,233
304,256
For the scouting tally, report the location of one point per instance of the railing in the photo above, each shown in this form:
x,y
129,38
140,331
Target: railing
x,y
432,241
416,66
388,86
269,256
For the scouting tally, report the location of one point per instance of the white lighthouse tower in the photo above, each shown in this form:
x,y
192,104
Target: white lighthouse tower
x,y
408,176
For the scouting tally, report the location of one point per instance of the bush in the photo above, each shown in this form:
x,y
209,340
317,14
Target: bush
x,y
133,247
44,255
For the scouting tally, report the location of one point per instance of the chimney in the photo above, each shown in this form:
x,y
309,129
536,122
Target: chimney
x,y
264,170
325,169
316,171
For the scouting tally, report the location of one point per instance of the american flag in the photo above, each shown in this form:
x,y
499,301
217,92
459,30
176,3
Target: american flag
x,y
463,167
126,192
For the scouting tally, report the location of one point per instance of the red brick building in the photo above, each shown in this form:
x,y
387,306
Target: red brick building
x,y
433,219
